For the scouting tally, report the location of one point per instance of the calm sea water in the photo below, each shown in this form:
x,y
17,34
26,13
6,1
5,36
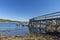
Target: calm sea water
x,y
9,29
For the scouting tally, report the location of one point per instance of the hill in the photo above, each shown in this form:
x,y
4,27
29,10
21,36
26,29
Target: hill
x,y
6,20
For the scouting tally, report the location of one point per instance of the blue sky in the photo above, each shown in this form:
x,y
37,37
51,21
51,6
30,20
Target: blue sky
x,y
23,10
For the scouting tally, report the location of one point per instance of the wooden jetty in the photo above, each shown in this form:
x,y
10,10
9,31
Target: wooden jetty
x,y
49,23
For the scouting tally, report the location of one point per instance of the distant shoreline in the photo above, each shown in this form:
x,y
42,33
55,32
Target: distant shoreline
x,y
6,20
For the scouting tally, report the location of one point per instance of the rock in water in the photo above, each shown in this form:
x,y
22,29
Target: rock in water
x,y
58,29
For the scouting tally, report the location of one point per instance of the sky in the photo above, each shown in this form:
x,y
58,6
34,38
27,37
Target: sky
x,y
23,10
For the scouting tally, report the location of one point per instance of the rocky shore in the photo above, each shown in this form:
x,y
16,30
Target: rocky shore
x,y
30,37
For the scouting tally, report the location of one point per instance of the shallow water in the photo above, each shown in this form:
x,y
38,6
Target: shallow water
x,y
14,29
9,29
